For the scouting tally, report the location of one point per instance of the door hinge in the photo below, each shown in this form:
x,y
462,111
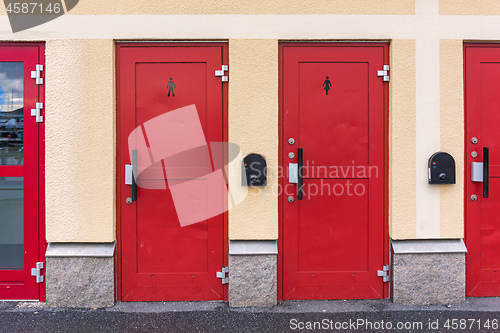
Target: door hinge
x,y
384,73
222,275
36,112
38,272
37,74
221,73
384,273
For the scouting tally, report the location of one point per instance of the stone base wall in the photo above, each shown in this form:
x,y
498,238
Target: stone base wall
x,y
80,282
252,280
430,278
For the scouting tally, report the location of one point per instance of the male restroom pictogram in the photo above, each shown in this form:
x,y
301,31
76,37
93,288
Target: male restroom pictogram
x,y
171,86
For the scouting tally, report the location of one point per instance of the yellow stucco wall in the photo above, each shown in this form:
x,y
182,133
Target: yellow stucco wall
x,y
253,125
469,7
170,7
80,86
402,145
80,141
452,135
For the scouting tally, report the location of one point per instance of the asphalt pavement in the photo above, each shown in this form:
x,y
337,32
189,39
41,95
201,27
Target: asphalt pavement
x,y
475,315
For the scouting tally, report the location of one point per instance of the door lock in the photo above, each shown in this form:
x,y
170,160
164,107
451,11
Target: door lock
x,y
128,201
291,199
473,197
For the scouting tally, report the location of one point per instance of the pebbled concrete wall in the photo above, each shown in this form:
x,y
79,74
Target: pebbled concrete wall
x,y
80,141
452,135
402,140
253,125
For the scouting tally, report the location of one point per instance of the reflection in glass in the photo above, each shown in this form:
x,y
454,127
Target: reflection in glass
x,y
11,113
11,223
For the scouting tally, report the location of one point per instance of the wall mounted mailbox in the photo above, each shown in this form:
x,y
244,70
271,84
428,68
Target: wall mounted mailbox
x,y
441,169
254,170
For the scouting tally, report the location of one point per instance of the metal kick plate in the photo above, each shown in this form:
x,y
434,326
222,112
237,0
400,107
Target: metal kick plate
x,y
293,173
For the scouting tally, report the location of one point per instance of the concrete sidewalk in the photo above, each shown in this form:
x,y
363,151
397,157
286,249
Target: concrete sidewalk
x,y
475,315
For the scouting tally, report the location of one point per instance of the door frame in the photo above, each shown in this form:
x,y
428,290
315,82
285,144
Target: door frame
x,y
281,199
42,243
225,59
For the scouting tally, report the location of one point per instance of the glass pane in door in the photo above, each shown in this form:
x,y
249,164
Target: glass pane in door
x,y
11,223
11,113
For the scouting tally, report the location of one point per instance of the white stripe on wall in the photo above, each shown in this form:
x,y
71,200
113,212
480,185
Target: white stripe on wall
x,y
428,125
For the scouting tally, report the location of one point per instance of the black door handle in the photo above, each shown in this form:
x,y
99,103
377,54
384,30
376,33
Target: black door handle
x,y
134,175
486,171
300,190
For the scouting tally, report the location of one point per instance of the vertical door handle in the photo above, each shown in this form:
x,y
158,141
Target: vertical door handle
x,y
300,190
134,174
486,170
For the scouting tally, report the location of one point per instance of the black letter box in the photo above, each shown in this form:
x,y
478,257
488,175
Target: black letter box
x,y
254,171
441,169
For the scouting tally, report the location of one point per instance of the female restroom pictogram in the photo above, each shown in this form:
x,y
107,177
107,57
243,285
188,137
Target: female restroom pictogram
x,y
327,84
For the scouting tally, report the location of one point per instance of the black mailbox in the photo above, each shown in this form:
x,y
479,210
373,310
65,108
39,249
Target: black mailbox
x,y
254,171
441,169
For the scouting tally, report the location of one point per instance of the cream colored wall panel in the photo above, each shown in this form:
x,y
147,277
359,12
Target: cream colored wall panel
x,y
80,141
253,125
469,7
452,135
196,27
402,141
113,7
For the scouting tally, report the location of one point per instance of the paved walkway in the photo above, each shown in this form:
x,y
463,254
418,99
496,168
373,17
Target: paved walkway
x,y
475,315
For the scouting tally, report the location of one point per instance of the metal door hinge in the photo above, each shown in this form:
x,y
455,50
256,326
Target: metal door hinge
x,y
384,73
221,73
38,272
384,273
37,74
36,112
222,275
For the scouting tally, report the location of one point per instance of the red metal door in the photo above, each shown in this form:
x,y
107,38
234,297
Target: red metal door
x,y
163,257
22,238
482,231
333,108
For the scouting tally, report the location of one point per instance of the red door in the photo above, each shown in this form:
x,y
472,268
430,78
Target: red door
x,y
482,231
171,112
333,111
22,236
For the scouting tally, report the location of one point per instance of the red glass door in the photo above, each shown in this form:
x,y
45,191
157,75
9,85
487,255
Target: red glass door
x,y
22,242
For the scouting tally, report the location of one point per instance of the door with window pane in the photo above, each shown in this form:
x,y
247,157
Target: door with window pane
x,y
21,172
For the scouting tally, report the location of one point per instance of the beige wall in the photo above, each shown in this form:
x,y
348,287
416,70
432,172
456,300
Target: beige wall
x,y
80,141
469,7
426,98
114,7
402,141
452,135
253,125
